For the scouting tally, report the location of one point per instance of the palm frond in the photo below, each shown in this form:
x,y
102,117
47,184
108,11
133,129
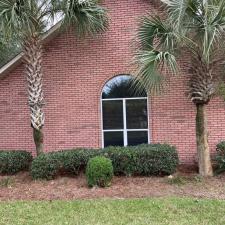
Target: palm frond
x,y
151,66
211,31
154,33
196,26
20,17
86,17
158,41
177,10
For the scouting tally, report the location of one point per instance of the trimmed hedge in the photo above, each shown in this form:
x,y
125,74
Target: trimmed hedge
x,y
12,162
99,172
156,159
47,166
145,160
76,160
220,157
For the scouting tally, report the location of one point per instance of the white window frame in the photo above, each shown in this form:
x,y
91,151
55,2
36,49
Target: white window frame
x,y
125,130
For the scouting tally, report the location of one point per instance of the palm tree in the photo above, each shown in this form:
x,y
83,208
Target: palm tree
x,y
196,27
28,20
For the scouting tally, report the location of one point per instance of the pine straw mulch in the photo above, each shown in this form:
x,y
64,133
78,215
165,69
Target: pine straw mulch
x,y
21,187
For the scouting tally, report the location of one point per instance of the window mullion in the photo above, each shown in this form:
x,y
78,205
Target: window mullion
x,y
125,123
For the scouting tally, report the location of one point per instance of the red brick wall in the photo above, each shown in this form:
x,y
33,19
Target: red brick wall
x,y
75,72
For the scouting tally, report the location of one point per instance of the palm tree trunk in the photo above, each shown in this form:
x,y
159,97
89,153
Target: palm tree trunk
x,y
204,162
33,67
38,136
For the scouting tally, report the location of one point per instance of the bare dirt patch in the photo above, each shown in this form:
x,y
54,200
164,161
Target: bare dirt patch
x,y
22,187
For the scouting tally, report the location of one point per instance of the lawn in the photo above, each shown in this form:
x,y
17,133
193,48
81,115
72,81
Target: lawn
x,y
136,211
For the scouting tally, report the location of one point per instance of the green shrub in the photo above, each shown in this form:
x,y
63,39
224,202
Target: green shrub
x,y
156,159
99,172
123,159
145,160
76,160
220,148
220,157
45,166
71,162
12,162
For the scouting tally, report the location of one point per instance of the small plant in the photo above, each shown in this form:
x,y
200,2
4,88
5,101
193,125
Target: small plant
x,y
6,182
177,180
182,180
99,172
198,178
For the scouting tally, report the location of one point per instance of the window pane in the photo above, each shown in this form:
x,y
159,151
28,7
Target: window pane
x,y
122,87
113,139
112,115
137,137
137,116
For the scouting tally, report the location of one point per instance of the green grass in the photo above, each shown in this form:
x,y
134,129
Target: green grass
x,y
174,211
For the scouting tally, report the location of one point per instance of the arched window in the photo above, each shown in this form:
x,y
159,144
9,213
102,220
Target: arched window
x,y
124,113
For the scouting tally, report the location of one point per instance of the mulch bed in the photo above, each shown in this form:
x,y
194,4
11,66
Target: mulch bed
x,y
21,187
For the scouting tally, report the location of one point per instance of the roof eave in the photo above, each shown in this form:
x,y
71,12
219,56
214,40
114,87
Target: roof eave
x,y
17,60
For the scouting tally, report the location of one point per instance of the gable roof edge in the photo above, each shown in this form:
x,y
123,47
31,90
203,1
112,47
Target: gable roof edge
x,y
17,60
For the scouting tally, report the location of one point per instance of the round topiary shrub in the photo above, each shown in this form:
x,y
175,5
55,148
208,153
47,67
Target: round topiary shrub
x,y
99,172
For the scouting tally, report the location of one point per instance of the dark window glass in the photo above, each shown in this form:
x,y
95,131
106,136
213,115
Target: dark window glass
x,y
137,137
137,116
113,139
123,87
112,115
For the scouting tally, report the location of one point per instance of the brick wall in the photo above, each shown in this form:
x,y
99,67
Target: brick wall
x,y
75,72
